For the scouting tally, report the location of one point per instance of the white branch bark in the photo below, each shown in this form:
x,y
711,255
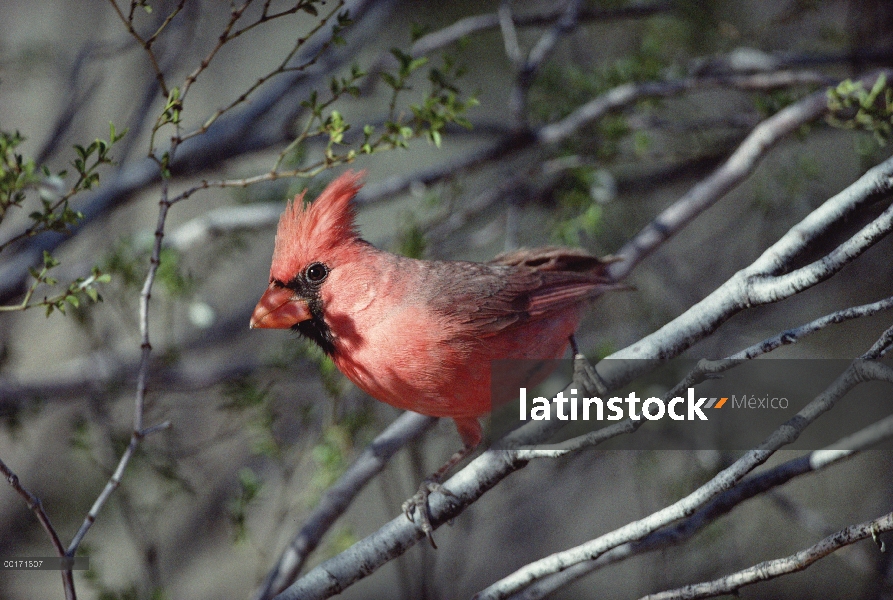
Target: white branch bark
x,y
781,566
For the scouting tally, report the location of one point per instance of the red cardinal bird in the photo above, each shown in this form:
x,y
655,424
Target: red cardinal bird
x,y
418,334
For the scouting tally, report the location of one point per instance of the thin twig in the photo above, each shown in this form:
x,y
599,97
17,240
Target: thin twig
x,y
279,70
771,569
36,506
139,432
792,336
128,23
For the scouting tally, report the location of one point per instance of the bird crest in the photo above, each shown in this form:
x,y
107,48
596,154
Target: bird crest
x,y
308,232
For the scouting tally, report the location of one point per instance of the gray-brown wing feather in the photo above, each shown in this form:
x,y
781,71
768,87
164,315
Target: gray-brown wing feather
x,y
518,286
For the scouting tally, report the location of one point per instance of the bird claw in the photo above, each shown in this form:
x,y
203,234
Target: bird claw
x,y
586,374
418,504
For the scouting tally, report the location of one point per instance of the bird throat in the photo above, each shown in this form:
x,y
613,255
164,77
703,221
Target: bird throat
x,y
315,328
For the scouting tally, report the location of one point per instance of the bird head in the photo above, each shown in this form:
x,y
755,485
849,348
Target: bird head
x,y
311,240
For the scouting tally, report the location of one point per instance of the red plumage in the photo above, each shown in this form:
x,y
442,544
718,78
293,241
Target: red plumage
x,y
315,229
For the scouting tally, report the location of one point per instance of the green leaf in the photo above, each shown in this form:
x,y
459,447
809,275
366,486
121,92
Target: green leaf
x,y
876,89
390,80
48,261
402,57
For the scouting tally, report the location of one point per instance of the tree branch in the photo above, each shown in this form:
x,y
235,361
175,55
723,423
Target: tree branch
x,y
781,566
732,296
36,506
255,128
339,496
723,504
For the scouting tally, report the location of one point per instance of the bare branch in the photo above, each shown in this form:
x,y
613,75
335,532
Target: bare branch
x,y
792,336
527,68
509,34
734,295
763,289
398,535
36,506
749,488
712,367
339,496
781,566
733,171
469,25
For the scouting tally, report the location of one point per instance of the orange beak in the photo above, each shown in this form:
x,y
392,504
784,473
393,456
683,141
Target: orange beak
x,y
279,308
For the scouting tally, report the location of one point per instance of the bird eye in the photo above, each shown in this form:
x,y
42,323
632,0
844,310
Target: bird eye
x,y
316,272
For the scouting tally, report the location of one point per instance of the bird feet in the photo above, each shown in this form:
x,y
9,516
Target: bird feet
x,y
418,505
585,374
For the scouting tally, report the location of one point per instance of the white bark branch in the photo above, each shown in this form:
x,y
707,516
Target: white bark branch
x,y
726,502
771,569
339,496
735,294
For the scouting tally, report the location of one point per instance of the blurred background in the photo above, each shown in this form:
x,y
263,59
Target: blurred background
x,y
457,168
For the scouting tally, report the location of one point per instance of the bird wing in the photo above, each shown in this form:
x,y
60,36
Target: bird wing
x,y
554,258
518,286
